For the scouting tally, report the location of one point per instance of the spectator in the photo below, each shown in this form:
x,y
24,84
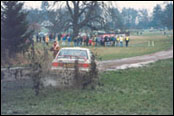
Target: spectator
x,y
84,40
87,40
50,37
121,41
80,40
43,39
98,40
64,40
56,48
47,40
69,40
59,37
127,41
105,40
110,41
118,41
90,41
102,41
40,39
37,37
75,41
113,39
93,41
54,36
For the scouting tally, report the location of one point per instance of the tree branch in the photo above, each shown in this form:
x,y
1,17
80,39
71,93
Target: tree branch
x,y
70,10
87,17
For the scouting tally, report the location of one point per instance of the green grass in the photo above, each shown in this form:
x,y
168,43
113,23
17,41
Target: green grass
x,y
138,46
145,90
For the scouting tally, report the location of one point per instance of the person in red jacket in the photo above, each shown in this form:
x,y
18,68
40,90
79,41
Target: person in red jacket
x,y
55,48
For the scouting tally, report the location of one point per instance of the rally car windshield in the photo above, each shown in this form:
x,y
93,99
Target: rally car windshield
x,y
69,53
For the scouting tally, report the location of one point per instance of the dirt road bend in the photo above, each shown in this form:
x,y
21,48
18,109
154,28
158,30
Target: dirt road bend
x,y
138,61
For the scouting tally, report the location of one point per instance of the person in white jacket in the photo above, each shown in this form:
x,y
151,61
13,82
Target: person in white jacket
x,y
121,41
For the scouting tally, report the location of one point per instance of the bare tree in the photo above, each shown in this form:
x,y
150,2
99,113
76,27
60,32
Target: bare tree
x,y
59,20
83,13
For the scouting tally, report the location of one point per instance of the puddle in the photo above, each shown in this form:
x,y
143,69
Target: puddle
x,y
134,65
50,82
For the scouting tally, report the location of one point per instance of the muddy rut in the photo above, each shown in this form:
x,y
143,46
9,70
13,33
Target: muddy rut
x,y
138,61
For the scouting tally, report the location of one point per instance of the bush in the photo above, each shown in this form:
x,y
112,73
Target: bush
x,y
39,64
86,79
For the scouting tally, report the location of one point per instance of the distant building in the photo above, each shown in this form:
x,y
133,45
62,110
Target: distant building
x,y
46,24
44,27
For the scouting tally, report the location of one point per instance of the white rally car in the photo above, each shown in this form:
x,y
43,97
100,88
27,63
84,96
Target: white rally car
x,y
66,57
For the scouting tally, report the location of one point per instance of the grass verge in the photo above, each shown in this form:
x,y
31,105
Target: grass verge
x,y
145,90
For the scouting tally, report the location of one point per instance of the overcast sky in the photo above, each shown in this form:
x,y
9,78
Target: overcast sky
x,y
149,5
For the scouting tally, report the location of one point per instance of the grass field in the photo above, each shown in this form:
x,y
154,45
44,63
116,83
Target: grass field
x,y
145,90
139,45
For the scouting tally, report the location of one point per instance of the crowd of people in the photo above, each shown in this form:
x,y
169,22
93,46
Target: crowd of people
x,y
96,40
101,41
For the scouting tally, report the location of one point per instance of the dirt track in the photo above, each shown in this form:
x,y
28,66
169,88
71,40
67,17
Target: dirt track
x,y
137,61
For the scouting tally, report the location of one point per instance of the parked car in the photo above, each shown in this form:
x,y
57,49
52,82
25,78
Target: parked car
x,y
66,57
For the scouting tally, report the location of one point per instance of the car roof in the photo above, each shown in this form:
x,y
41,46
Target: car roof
x,y
76,48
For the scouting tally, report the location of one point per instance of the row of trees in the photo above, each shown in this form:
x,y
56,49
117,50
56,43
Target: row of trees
x,y
140,19
102,17
163,17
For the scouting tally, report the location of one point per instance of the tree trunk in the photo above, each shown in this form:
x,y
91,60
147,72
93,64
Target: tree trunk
x,y
75,31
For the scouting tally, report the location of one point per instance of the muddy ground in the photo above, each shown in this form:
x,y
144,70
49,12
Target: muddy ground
x,y
138,61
